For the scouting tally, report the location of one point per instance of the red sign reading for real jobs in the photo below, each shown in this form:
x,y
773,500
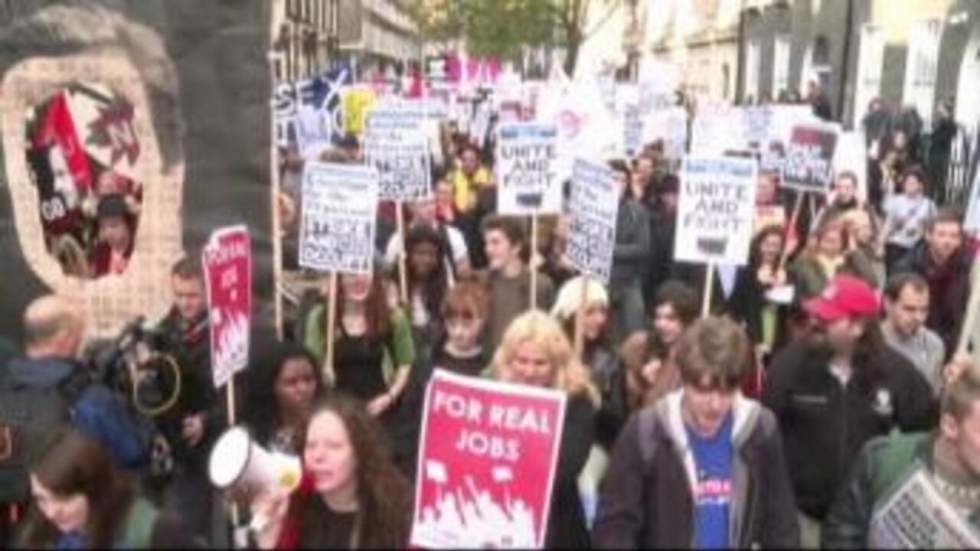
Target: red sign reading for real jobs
x,y
486,469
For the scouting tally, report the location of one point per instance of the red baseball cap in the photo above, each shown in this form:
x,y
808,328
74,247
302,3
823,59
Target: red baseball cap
x,y
844,297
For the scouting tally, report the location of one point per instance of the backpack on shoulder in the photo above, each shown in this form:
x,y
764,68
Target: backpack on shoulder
x,y
29,416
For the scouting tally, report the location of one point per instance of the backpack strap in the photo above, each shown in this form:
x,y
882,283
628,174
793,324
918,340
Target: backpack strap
x,y
447,246
894,461
139,525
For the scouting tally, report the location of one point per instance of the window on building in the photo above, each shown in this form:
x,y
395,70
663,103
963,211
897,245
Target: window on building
x,y
752,60
921,67
871,57
780,65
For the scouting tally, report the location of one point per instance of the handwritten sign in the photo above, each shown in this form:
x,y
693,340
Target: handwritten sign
x,y
809,157
716,210
396,144
526,169
227,262
488,457
593,205
338,220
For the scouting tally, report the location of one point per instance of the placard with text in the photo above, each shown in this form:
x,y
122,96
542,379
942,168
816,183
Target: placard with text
x,y
227,262
338,220
527,169
593,204
487,462
716,210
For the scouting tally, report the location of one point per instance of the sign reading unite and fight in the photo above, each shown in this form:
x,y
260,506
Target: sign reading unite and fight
x,y
227,261
395,143
487,463
593,204
809,158
338,221
527,171
715,210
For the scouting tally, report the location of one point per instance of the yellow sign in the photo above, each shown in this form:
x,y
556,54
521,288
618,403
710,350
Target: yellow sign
x,y
357,103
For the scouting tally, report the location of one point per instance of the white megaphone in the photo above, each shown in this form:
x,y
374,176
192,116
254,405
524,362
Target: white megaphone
x,y
236,460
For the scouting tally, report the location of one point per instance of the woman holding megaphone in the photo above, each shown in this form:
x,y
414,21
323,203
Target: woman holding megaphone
x,y
351,494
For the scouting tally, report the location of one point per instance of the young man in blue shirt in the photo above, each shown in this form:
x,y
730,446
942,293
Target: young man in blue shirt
x,y
703,468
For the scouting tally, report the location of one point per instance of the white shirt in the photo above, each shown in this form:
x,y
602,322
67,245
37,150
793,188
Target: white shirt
x,y
457,245
906,218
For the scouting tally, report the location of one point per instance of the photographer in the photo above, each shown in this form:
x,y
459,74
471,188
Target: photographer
x,y
49,388
198,416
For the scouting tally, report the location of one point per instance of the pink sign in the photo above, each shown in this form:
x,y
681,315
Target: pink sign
x,y
227,261
487,464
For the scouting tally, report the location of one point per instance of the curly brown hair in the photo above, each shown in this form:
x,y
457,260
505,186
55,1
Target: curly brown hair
x,y
383,493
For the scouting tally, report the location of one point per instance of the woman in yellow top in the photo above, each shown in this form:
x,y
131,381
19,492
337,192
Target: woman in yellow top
x,y
468,178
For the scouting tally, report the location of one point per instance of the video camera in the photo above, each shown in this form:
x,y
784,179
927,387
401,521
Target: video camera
x,y
133,364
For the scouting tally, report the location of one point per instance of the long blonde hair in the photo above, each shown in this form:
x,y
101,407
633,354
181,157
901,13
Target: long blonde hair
x,y
543,330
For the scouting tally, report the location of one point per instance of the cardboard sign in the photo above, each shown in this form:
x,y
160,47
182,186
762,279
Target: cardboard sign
x,y
396,144
321,98
526,169
716,129
593,205
809,157
716,210
487,463
338,220
632,130
227,262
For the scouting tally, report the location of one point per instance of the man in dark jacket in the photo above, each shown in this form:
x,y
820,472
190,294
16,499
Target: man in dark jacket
x,y
703,468
945,263
53,335
630,256
835,389
896,471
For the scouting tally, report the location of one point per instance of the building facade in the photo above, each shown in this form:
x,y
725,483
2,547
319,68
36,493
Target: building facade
x,y
311,34
913,53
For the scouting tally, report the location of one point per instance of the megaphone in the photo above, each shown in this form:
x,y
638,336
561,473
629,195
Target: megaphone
x,y
238,461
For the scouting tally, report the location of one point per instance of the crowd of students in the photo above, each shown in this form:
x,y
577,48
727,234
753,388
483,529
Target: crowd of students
x,y
761,424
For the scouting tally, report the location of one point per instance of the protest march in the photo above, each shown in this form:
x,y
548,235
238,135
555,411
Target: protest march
x,y
256,301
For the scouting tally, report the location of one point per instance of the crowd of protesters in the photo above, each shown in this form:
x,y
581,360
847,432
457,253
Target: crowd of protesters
x,y
829,361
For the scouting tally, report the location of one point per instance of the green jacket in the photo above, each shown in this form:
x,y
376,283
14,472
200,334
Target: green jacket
x,y
399,348
885,463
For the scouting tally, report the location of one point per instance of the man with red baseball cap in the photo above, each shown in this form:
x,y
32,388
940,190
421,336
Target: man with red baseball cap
x,y
834,389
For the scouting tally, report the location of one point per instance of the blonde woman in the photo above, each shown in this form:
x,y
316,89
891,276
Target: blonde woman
x,y
535,351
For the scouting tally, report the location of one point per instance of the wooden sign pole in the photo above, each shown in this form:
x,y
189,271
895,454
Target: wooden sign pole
x,y
580,319
327,370
402,274
532,265
790,228
709,284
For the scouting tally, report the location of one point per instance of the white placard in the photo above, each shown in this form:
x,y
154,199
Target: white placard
x,y
917,517
527,176
396,144
593,204
338,222
715,210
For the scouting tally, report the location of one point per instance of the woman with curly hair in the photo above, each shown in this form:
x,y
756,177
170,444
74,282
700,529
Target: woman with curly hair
x,y
535,351
351,495
280,391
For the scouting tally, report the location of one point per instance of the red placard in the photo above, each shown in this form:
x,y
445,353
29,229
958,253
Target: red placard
x,y
227,261
486,469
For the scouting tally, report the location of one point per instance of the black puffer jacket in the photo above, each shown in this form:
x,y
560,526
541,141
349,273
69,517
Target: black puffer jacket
x,y
824,424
